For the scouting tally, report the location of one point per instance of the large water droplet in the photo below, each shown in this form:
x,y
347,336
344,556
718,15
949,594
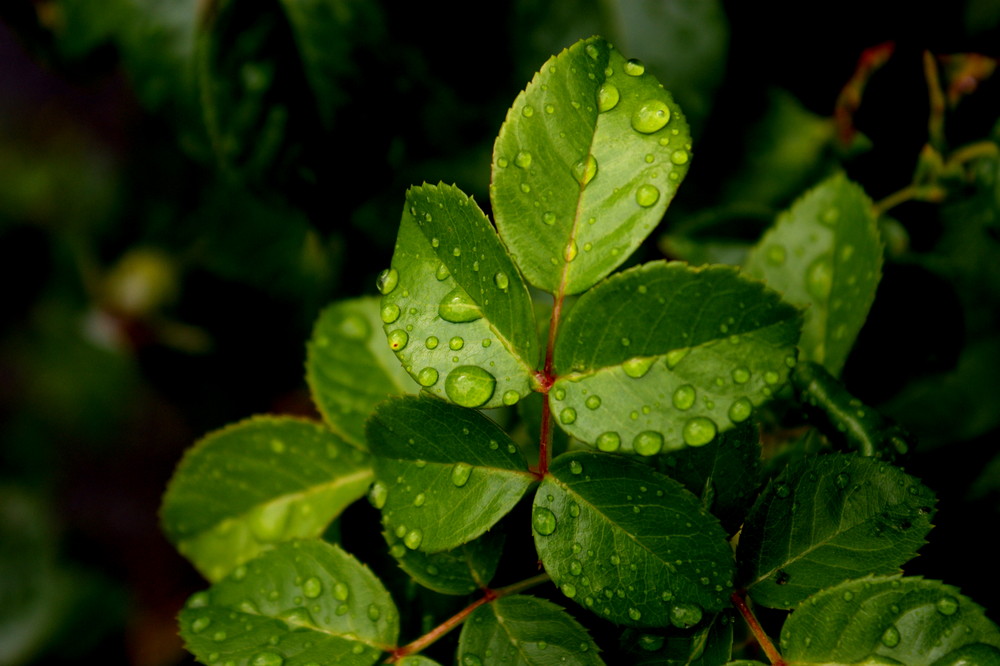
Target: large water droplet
x,y
638,367
890,637
607,97
523,159
567,416
442,272
593,402
543,520
819,278
458,308
389,313
947,605
413,539
609,441
699,431
740,410
312,588
741,375
683,616
460,474
398,339
648,443
647,195
684,397
585,170
378,494
427,377
651,116
469,386
456,343
634,67
501,280
387,280
511,397
679,157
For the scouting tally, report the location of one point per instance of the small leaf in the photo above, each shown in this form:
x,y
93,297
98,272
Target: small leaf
x,y
524,631
306,601
628,543
243,489
445,474
710,644
824,254
826,519
417,660
664,356
460,571
454,307
349,369
890,620
584,166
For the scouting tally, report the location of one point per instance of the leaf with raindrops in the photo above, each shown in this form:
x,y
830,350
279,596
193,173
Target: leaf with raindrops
x,y
829,518
455,309
824,254
303,602
247,487
349,369
445,474
521,630
709,644
417,660
460,571
584,166
664,356
629,544
890,620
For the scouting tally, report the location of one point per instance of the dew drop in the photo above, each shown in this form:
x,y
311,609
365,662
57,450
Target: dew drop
x,y
469,386
569,590
511,397
651,116
635,614
456,343
607,97
549,218
679,157
609,442
341,592
471,660
699,431
890,637
675,356
413,539
741,375
585,170
523,159
420,500
501,280
819,278
312,588
378,494
543,520
389,313
575,467
442,272
593,402
683,616
947,605
634,67
427,377
684,397
569,254
387,280
528,111
647,195
460,474
575,567
638,367
648,443
201,624
458,308
567,416
398,339
740,410
431,342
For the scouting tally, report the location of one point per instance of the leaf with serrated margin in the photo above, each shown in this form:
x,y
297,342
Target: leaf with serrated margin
x,y
522,630
664,356
455,310
584,166
349,369
824,254
303,602
629,544
445,474
890,620
460,571
242,489
829,518
710,644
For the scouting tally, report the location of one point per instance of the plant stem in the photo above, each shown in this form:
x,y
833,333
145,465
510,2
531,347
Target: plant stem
x,y
545,380
765,643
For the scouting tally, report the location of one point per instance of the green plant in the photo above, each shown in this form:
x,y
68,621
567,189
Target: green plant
x,y
627,415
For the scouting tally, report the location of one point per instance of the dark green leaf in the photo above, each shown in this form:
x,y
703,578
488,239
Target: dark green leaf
x,y
707,645
349,368
249,486
460,571
445,474
825,255
524,631
628,543
663,356
585,164
303,602
417,660
456,311
826,519
890,620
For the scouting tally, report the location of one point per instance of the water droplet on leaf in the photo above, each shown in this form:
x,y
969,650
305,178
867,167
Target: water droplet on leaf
x,y
699,431
312,588
458,308
634,67
390,313
607,97
683,616
684,397
585,170
523,159
460,474
469,386
740,410
413,539
387,280
651,116
647,195
648,443
398,339
501,280
543,520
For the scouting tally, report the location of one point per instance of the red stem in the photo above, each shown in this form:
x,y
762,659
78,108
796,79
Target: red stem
x,y
758,631
545,380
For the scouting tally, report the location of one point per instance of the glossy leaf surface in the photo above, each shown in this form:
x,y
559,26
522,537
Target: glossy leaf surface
x,y
460,571
303,602
890,620
824,254
664,356
454,307
245,488
827,519
349,368
525,631
445,474
584,166
628,543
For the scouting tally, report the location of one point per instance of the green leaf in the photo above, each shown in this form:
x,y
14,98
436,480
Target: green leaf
x,y
826,519
890,620
303,602
460,571
628,543
456,311
824,254
585,164
663,356
417,660
349,369
445,474
524,631
243,489
708,645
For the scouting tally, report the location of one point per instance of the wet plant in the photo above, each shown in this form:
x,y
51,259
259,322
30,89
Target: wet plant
x,y
566,458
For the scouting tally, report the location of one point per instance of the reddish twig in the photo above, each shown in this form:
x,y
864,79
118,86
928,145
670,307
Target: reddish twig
x,y
762,639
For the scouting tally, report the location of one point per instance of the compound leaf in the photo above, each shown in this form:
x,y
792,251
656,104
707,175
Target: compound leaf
x,y
349,369
303,602
664,356
584,166
525,631
826,519
445,474
824,254
455,310
460,571
628,543
890,620
246,487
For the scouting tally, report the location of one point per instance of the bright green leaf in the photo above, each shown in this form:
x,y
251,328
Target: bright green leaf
x,y
824,254
628,543
349,368
445,474
455,309
664,356
524,631
829,518
245,488
460,571
890,620
303,602
584,166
